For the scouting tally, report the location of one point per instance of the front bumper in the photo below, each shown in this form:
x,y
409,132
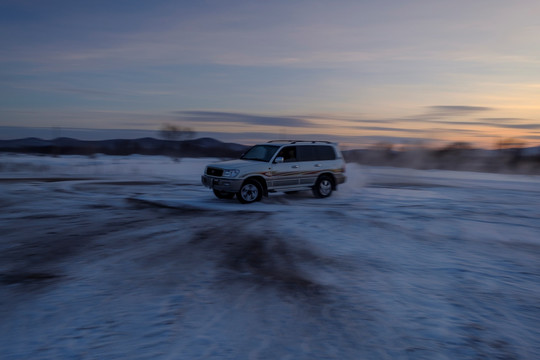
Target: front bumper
x,y
221,184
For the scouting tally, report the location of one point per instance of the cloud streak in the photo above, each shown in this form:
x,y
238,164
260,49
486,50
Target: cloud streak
x,y
240,118
385,129
530,126
456,110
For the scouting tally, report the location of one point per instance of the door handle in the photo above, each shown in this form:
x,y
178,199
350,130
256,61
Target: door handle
x,y
318,165
295,166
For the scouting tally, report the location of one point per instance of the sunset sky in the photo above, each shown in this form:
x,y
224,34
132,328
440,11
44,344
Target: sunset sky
x,y
359,72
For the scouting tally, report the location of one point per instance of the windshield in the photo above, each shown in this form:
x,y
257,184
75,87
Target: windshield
x,y
260,153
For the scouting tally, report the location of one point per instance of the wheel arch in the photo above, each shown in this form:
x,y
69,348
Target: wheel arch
x,y
332,179
260,180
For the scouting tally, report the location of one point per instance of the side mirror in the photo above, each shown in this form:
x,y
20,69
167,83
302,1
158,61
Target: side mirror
x,y
279,160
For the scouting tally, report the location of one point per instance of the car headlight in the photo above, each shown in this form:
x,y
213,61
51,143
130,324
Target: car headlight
x,y
231,172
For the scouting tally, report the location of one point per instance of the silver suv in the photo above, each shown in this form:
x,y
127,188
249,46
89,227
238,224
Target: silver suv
x,y
279,165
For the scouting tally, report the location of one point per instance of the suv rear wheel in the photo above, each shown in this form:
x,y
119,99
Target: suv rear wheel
x,y
323,187
250,191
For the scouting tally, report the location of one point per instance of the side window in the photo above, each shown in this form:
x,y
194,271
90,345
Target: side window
x,y
288,153
325,153
307,153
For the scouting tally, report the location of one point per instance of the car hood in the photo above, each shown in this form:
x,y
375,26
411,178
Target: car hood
x,y
235,164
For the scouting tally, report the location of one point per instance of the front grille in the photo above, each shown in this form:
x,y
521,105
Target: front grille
x,y
214,171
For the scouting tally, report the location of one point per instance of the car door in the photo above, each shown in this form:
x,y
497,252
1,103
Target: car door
x,y
311,165
286,174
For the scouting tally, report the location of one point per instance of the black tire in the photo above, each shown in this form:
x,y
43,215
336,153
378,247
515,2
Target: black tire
x,y
323,187
223,194
250,192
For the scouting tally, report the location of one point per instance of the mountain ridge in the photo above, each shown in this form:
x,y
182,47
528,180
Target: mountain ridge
x,y
202,147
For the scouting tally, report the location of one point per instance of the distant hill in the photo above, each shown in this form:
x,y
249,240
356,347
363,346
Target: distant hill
x,y
203,147
532,151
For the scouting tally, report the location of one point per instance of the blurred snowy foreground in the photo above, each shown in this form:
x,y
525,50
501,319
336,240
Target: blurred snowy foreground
x,y
131,258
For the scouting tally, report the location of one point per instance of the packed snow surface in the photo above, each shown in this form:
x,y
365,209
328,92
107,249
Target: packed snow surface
x,y
132,258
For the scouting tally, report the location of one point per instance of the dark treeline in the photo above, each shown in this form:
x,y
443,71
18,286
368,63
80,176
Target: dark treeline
x,y
509,160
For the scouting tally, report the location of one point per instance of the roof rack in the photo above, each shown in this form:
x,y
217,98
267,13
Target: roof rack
x,y
300,141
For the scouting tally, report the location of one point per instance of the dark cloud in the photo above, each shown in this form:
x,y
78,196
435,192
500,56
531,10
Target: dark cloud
x,y
464,123
449,110
501,120
19,132
535,126
506,123
456,130
438,112
354,120
390,139
85,91
380,128
230,117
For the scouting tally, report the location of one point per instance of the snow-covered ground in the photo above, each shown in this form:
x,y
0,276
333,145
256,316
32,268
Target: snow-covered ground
x,y
131,258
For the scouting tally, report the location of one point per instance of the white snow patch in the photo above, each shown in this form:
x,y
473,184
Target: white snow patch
x,y
131,257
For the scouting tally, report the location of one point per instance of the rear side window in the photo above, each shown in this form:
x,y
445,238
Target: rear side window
x,y
325,153
315,153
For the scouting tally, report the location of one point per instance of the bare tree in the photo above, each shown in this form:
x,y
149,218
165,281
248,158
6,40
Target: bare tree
x,y
176,133
511,151
458,146
510,143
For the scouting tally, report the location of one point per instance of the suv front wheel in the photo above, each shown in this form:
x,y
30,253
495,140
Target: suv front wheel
x,y
323,187
250,191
